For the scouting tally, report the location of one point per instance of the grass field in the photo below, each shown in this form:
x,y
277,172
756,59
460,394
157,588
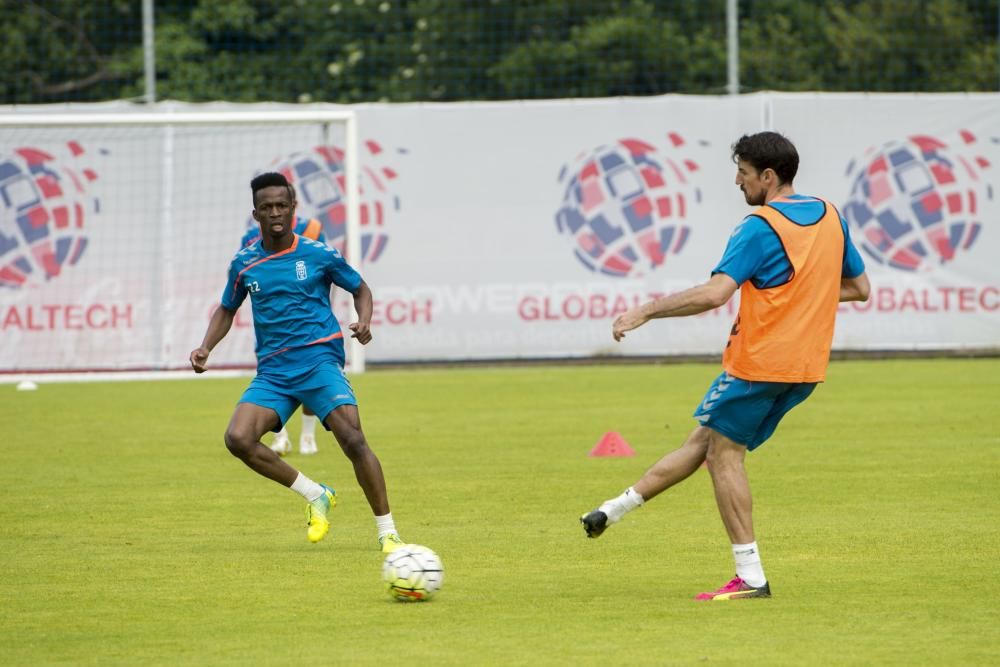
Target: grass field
x,y
129,535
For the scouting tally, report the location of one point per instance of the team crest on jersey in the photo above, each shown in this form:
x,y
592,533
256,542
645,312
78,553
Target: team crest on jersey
x,y
300,270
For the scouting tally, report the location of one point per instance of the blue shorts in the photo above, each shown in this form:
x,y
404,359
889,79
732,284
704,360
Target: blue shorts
x,y
322,389
748,412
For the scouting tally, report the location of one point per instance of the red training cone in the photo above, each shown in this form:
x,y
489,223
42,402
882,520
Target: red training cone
x,y
612,444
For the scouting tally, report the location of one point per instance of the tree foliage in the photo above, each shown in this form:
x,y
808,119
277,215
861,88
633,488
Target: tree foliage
x,y
67,49
440,50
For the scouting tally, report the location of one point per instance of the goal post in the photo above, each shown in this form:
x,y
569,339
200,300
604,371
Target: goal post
x,y
116,228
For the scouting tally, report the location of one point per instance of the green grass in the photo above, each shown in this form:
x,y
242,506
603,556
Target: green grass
x,y
129,535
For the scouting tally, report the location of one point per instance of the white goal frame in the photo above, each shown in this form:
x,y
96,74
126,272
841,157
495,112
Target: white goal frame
x,y
165,119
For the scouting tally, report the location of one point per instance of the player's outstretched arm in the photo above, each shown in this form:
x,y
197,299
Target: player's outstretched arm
x,y
712,294
855,289
363,305
218,327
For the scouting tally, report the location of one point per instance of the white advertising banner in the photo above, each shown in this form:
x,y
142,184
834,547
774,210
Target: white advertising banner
x,y
495,230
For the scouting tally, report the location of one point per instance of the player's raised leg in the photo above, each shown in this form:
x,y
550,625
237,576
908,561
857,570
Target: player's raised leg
x,y
243,439
673,468
345,423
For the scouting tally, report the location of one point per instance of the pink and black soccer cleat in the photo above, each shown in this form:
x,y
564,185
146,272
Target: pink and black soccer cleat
x,y
737,589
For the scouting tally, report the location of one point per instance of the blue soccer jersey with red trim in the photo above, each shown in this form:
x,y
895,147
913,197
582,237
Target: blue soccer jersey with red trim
x,y
290,292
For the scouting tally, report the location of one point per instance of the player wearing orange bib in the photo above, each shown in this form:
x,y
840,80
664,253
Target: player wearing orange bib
x,y
793,261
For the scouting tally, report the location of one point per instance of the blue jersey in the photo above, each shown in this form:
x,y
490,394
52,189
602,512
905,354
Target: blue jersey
x,y
754,251
290,293
307,227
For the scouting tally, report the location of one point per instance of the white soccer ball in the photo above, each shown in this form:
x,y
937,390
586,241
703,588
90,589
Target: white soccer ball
x,y
412,573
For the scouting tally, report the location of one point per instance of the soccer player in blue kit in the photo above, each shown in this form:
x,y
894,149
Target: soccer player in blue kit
x,y
300,355
311,229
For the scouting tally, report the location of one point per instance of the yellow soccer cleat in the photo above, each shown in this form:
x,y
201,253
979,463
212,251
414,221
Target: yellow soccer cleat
x,y
317,513
389,543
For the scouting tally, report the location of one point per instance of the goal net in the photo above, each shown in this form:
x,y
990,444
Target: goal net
x,y
116,229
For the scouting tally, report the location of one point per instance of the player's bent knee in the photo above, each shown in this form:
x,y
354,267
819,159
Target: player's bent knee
x,y
239,444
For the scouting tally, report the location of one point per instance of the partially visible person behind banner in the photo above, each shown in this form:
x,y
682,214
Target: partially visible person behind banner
x,y
793,261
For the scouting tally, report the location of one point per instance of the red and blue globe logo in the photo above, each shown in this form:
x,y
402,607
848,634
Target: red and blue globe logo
x,y
319,179
625,207
44,201
917,203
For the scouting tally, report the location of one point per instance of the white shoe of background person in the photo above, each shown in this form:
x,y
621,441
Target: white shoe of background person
x,y
281,445
307,445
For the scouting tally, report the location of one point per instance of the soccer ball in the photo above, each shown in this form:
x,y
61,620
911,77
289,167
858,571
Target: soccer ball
x,y
412,572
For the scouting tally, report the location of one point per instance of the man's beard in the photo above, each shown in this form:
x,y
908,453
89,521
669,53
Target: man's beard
x,y
753,200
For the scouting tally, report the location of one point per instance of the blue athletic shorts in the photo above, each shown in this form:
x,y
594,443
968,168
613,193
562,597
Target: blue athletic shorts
x,y
748,412
321,388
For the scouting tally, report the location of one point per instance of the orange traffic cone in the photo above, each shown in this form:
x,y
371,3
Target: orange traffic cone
x,y
612,444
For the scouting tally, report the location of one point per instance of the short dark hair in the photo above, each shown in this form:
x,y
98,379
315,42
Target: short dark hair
x,y
768,150
268,180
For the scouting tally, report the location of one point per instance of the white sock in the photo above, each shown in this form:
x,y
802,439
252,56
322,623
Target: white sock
x,y
283,433
308,426
616,508
748,567
385,524
307,488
